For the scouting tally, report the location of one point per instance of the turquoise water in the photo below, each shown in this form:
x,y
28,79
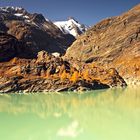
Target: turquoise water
x,y
112,114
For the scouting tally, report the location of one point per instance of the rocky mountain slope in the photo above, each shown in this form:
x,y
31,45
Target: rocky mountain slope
x,y
71,26
113,42
33,30
11,47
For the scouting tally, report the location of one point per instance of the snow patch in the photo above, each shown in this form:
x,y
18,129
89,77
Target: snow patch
x,y
18,14
26,17
11,8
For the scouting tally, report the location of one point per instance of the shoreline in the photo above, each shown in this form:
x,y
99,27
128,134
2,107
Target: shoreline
x,y
51,92
132,81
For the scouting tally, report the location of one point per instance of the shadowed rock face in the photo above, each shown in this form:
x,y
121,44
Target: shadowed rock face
x,y
9,47
114,42
34,31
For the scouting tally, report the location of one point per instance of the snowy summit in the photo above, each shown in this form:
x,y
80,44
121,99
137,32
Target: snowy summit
x,y
71,26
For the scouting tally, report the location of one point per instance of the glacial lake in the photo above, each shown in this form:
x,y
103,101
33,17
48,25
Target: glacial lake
x,y
112,114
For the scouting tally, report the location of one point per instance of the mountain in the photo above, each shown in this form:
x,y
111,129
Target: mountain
x,y
28,62
33,30
71,26
113,42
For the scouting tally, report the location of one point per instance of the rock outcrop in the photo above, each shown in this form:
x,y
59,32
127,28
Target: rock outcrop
x,y
50,73
113,42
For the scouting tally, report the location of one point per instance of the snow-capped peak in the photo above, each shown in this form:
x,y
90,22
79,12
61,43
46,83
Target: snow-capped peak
x,y
16,11
21,13
71,26
11,9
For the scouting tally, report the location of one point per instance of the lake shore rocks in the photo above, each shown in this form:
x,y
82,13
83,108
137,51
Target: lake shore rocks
x,y
49,73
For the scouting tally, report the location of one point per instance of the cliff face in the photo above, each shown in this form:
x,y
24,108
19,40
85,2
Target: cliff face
x,y
114,42
36,32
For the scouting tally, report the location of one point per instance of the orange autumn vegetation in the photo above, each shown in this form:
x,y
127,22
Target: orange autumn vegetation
x,y
64,76
75,76
88,74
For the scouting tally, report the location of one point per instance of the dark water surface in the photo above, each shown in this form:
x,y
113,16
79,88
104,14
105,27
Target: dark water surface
x,y
112,114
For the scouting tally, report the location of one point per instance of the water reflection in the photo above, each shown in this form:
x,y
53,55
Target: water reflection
x,y
98,115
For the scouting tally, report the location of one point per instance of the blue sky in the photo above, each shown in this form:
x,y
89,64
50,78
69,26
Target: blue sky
x,y
86,11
